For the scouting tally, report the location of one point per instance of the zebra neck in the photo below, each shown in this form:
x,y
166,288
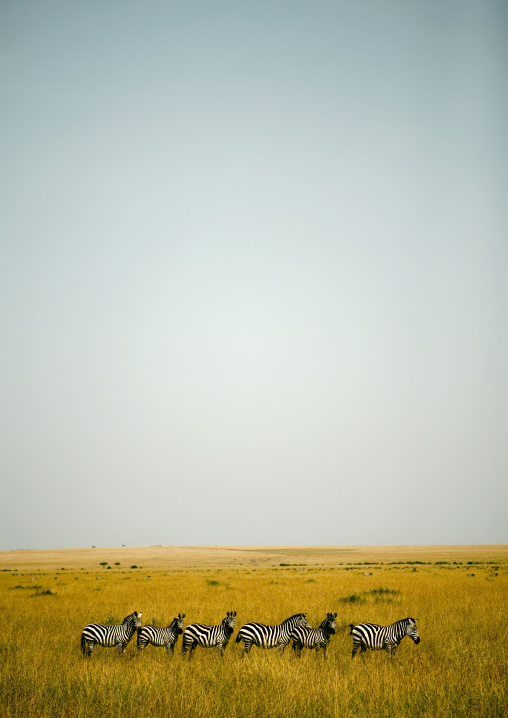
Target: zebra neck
x,y
400,630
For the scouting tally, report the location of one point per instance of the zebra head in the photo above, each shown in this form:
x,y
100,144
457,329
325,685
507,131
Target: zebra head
x,y
411,629
229,622
301,620
329,624
178,623
134,619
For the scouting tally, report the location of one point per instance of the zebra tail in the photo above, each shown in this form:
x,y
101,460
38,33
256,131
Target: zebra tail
x,y
83,643
238,638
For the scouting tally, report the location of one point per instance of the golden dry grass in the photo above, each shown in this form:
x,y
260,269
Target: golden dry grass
x,y
459,668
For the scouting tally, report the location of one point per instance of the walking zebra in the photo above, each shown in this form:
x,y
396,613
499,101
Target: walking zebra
x,y
208,636
161,636
317,638
117,635
270,636
382,638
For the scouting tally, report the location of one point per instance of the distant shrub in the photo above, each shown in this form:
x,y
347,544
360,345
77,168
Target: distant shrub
x,y
134,566
11,588
383,591
354,598
212,582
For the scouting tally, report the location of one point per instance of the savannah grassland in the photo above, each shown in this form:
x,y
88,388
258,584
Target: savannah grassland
x,y
460,668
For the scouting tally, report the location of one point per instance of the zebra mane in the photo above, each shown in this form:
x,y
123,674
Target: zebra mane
x,y
297,615
131,615
403,622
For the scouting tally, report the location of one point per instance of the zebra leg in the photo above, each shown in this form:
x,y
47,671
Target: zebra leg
x,y
247,645
120,647
87,649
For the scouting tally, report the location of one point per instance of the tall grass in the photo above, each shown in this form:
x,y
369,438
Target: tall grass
x,y
458,669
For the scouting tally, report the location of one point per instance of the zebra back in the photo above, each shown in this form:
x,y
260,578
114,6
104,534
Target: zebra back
x,y
198,634
110,635
264,636
374,637
157,636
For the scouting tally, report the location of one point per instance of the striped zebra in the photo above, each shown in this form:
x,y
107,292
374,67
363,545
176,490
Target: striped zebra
x,y
117,635
382,638
161,636
317,638
196,634
270,636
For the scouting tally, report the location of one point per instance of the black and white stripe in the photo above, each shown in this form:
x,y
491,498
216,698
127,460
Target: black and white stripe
x,y
316,638
118,635
259,634
167,636
382,638
196,634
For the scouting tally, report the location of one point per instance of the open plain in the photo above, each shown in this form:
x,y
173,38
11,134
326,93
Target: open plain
x,y
458,594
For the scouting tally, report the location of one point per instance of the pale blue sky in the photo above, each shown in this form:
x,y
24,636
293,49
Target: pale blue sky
x,y
253,273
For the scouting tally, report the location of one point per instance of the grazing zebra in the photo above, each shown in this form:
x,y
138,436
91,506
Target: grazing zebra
x,y
161,636
270,636
382,638
118,635
208,636
317,638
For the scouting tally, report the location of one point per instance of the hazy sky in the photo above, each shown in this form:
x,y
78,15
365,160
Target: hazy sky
x,y
253,272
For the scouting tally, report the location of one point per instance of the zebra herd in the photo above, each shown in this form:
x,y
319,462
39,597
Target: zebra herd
x,y
295,628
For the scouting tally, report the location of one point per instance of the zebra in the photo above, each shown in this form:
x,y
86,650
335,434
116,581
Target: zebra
x,y
382,638
117,635
270,636
208,636
317,638
161,636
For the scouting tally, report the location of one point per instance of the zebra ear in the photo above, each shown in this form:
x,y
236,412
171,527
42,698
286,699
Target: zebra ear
x,y
234,614
183,615
335,614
